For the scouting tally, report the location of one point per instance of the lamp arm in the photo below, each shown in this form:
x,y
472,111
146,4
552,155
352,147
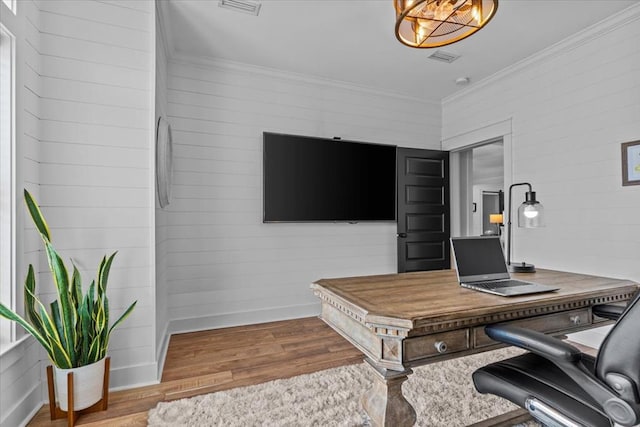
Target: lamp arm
x,y
509,219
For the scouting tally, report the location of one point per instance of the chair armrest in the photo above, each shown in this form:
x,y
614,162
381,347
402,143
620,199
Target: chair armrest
x,y
569,359
535,342
608,311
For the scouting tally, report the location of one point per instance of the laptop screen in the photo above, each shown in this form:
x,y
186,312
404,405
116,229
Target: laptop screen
x,y
479,258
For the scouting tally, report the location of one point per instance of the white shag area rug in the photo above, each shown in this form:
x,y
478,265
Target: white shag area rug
x,y
441,393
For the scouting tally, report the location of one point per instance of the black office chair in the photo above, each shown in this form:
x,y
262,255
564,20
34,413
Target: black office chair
x,y
562,387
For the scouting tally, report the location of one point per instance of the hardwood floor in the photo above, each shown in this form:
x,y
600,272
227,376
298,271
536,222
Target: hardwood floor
x,y
208,361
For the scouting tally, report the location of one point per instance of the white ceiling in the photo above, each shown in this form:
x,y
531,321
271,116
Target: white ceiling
x,y
353,41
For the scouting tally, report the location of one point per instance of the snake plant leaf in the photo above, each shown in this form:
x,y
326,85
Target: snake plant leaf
x,y
99,317
104,325
8,314
37,216
85,322
94,348
57,321
103,272
90,297
58,354
29,299
100,325
68,312
105,331
123,316
76,287
100,289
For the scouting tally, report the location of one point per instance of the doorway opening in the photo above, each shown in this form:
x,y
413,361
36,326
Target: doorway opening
x,y
481,189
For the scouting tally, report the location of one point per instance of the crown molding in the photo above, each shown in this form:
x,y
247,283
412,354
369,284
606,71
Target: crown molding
x,y
233,66
615,21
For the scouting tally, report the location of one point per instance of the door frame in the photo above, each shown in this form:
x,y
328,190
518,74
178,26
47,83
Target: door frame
x,y
457,145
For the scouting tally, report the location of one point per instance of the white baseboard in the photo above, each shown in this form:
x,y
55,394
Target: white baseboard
x,y
244,318
133,376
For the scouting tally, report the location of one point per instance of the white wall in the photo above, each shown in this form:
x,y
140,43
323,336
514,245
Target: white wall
x,y
86,130
571,106
225,267
96,158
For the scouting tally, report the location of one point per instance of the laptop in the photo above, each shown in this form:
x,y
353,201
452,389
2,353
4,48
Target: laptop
x,y
481,266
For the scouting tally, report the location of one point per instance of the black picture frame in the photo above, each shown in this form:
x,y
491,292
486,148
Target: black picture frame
x,y
631,163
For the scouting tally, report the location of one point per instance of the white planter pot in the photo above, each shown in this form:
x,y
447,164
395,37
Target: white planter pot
x,y
87,385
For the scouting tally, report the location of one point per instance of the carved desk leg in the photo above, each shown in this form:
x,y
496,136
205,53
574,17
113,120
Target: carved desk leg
x,y
384,402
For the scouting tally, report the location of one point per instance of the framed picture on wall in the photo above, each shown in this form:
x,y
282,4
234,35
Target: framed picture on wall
x,y
631,163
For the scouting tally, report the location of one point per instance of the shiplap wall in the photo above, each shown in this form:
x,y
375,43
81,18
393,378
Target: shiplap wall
x,y
162,311
571,107
225,267
96,188
87,121
20,366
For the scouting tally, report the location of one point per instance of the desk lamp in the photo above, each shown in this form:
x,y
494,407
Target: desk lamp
x,y
530,215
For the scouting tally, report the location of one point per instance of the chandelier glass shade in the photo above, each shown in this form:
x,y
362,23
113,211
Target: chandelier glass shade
x,y
434,23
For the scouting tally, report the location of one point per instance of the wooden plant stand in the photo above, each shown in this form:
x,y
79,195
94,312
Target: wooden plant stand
x,y
70,414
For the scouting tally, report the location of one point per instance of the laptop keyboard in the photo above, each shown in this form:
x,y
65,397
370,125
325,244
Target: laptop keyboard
x,y
497,284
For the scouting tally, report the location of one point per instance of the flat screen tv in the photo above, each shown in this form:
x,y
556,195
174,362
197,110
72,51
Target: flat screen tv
x,y
308,179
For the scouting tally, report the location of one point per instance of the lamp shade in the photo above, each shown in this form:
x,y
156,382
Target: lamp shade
x,y
531,212
495,219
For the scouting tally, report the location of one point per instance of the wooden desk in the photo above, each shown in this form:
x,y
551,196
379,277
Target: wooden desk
x,y
404,320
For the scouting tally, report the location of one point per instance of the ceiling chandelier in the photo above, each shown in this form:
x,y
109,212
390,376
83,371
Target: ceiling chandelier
x,y
433,23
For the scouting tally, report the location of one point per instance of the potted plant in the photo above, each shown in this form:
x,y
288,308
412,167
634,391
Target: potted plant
x,y
75,331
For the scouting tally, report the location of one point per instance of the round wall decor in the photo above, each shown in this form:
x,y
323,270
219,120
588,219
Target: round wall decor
x,y
164,161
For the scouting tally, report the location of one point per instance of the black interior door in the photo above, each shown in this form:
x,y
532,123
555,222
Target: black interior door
x,y
423,210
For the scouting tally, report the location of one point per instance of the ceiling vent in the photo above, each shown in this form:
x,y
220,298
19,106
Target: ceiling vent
x,y
244,6
441,55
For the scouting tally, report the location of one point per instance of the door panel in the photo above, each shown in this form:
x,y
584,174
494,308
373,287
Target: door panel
x,y
424,222
424,167
422,194
423,210
422,250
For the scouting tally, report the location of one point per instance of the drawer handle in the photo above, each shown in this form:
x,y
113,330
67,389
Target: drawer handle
x,y
441,346
575,320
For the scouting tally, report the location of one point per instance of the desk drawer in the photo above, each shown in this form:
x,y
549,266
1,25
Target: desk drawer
x,y
547,323
435,345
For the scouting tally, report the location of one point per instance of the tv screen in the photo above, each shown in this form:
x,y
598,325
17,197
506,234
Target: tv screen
x,y
309,179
